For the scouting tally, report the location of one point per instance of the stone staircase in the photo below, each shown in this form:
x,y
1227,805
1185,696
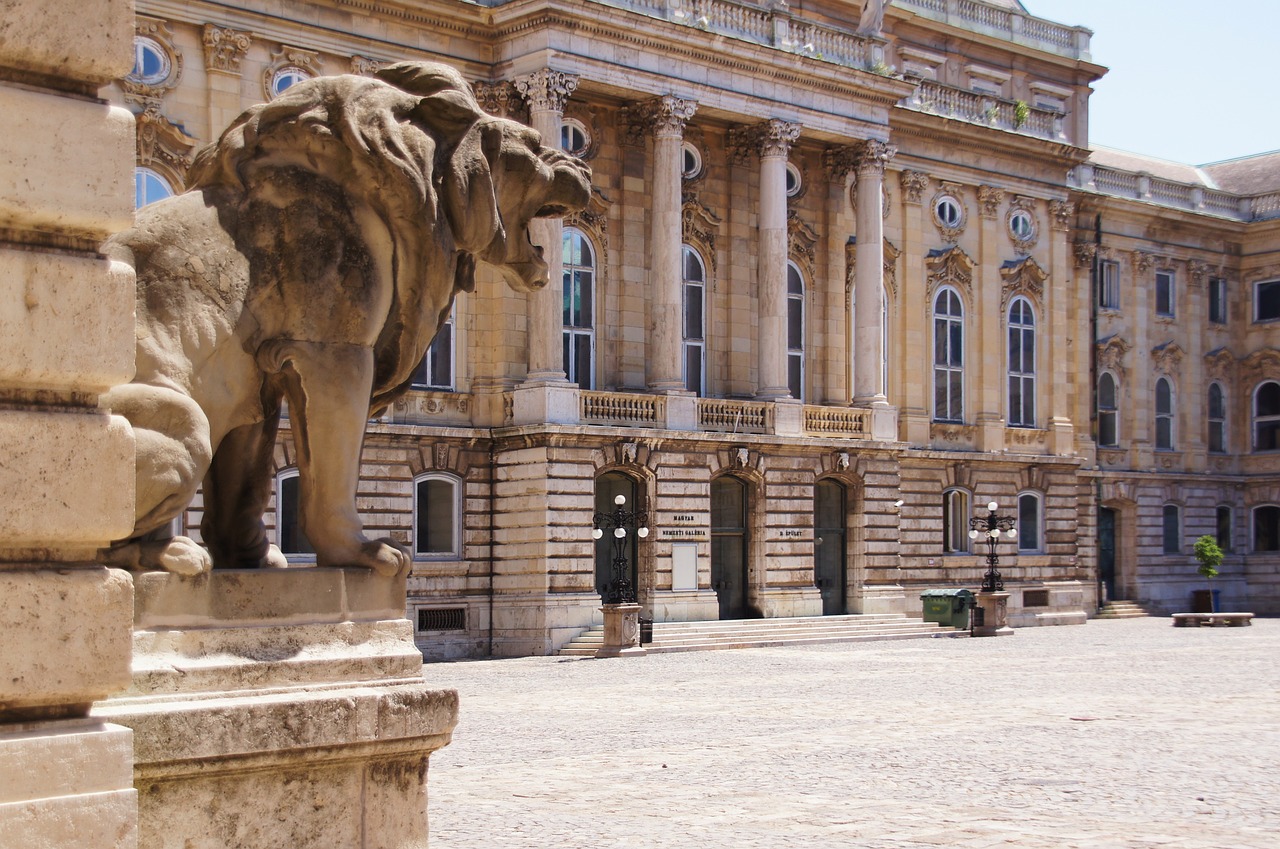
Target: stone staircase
x,y
755,633
1121,610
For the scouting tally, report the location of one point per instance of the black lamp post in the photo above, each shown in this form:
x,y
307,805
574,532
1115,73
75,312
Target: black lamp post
x,y
990,526
619,590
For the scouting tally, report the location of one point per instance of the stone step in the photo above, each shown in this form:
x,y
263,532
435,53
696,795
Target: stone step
x,y
1121,610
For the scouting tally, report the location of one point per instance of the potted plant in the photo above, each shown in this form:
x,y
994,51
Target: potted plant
x,y
1210,557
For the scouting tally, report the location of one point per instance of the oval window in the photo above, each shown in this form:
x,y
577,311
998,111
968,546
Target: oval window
x,y
948,211
150,61
690,161
793,180
574,138
1021,225
286,78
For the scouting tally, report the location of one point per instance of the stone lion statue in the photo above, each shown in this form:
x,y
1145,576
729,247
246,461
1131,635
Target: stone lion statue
x,y
313,259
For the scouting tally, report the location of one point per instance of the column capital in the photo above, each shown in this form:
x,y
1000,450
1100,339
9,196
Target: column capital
x,y
1063,212
989,199
501,98
839,162
773,137
872,156
547,90
913,185
664,117
224,48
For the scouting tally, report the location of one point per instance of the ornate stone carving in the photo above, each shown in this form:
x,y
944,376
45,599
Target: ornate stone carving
x,y
801,240
312,307
1114,490
842,461
741,458
989,200
501,98
768,138
700,225
664,116
1022,277
148,95
913,185
1021,223
1167,359
547,90
1261,365
950,230
595,221
1110,354
1219,364
950,267
873,155
891,254
1143,261
307,61
164,146
630,450
363,66
1197,271
1085,253
442,455
1061,213
839,162
224,48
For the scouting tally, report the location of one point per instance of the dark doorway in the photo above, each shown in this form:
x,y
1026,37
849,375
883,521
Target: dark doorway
x,y
828,546
1107,551
608,486
729,546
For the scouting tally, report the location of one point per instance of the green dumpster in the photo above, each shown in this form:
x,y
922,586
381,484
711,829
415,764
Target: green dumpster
x,y
949,608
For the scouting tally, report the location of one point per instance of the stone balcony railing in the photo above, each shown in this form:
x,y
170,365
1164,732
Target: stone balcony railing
x,y
1171,193
1005,23
622,409
987,110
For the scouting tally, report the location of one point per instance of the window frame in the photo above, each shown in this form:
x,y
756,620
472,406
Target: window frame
x,y
141,43
1254,516
1216,419
1224,532
1166,289
1171,532
1258,287
691,343
1165,418
573,276
1112,412
795,181
1024,378
568,126
427,365
796,355
1109,285
1271,420
284,508
944,372
455,550
1037,546
141,176
273,86
956,512
1218,307
688,150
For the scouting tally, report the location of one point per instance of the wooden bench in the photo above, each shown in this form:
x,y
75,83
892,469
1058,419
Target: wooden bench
x,y
1195,620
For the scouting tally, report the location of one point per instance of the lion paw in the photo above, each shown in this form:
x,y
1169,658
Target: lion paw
x,y
386,557
274,558
181,556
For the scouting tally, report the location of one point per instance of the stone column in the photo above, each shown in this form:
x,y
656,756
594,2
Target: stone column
x,y
667,117
224,48
66,338
868,356
990,355
914,330
839,164
772,141
546,91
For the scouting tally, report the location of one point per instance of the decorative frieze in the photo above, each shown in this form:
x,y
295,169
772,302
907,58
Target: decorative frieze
x,y
164,146
913,185
224,48
1061,213
1167,359
1022,277
950,267
1110,355
989,200
1085,253
547,90
1143,261
1197,271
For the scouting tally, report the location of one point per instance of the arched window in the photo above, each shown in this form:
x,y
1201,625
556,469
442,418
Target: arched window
x,y
1030,523
1022,364
436,369
1266,416
1164,414
1217,419
948,357
1223,530
290,539
1266,528
795,331
1108,414
149,187
579,308
1172,529
437,517
695,321
955,521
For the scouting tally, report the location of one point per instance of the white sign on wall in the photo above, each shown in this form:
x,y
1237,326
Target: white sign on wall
x,y
684,566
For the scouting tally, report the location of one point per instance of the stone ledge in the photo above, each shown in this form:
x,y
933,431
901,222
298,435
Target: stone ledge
x,y
68,41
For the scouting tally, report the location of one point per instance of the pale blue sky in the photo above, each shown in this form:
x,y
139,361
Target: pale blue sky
x,y
1194,82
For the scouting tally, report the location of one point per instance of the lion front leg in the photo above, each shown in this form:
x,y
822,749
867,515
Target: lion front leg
x,y
328,387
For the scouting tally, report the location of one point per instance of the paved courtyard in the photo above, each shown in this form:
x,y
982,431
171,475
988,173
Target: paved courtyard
x,y
1113,734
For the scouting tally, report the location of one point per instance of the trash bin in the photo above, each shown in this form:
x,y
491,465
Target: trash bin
x,y
949,608
646,630
1200,602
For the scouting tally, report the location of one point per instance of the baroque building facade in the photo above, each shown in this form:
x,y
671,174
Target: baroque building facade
x,y
840,284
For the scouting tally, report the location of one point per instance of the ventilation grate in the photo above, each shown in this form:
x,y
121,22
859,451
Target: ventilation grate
x,y
442,619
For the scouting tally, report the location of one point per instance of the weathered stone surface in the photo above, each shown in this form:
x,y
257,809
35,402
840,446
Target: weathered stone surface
x,y
48,661
57,469
46,181
61,41
59,321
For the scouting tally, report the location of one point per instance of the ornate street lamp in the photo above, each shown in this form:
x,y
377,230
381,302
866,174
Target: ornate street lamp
x,y
990,526
619,590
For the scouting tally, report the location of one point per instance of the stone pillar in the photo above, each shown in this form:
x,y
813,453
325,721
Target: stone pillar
x,y
914,328
868,356
66,337
994,615
772,141
989,359
839,164
224,48
667,117
621,631
546,91
1059,366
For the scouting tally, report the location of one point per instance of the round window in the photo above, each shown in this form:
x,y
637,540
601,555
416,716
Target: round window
x,y
1021,225
574,138
690,161
286,78
948,211
793,180
150,61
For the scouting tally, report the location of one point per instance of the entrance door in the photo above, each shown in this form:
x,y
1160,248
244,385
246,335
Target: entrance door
x,y
828,546
1107,550
729,546
608,486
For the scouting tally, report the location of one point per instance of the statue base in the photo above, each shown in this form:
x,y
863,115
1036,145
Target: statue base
x,y
279,708
621,631
993,614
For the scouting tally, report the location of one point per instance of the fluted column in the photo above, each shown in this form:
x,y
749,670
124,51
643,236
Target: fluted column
x,y
666,116
772,141
546,92
868,377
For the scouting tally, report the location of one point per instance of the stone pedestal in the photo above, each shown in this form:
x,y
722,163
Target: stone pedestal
x,y
545,403
879,599
278,708
994,608
621,631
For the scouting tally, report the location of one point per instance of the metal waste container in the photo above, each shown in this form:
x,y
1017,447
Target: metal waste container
x,y
949,608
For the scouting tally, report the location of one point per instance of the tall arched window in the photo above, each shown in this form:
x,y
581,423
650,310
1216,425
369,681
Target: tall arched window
x,y
795,331
1172,529
437,516
1030,523
1108,413
1022,364
948,357
149,187
290,539
955,521
579,308
1266,528
1266,416
1164,414
695,322
1217,419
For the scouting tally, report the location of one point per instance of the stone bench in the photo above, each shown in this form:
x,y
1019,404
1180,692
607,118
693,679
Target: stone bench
x,y
1195,620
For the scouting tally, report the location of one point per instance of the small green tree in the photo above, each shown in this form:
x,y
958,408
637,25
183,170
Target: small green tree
x,y
1210,557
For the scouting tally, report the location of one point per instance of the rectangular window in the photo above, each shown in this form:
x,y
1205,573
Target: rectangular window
x,y
1218,300
1028,523
1266,300
955,522
1172,530
1223,529
436,518
1109,285
436,369
1165,294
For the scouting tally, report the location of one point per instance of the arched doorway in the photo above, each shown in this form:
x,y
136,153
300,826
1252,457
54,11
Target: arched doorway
x,y
829,512
729,546
608,487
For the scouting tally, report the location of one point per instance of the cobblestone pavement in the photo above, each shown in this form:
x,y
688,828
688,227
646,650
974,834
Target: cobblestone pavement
x,y
1125,733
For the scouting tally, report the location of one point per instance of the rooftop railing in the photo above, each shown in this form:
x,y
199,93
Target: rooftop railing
x,y
1005,23
988,110
1174,194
